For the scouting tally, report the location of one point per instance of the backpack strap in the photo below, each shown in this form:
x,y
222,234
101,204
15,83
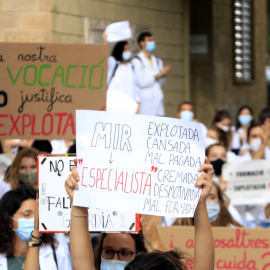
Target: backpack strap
x,y
54,256
115,68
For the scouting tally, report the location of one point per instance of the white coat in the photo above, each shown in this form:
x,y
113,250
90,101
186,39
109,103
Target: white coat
x,y
46,259
150,89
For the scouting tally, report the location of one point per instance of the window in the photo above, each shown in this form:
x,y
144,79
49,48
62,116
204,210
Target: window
x,y
243,40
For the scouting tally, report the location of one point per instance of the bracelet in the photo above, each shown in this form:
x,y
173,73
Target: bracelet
x,y
36,237
34,243
80,216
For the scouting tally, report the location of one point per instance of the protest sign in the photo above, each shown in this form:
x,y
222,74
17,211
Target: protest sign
x,y
118,31
55,205
235,248
137,163
248,182
5,161
43,84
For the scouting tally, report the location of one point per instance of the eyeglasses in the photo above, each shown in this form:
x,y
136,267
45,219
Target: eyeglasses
x,y
123,254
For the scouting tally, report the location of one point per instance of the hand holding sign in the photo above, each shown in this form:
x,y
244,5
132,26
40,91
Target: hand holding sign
x,y
71,182
205,180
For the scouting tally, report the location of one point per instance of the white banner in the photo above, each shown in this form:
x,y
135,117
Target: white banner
x,y
248,182
55,205
140,164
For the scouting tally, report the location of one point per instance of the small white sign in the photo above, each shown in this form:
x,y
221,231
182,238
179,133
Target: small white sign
x,y
55,205
248,182
140,164
118,31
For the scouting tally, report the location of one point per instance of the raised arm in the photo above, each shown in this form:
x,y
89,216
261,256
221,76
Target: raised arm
x,y
204,252
150,234
80,242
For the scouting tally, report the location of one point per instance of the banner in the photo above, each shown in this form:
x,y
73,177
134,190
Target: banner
x,y
248,182
55,205
43,84
140,164
235,248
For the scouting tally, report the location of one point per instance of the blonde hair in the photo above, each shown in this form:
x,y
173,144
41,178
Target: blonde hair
x,y
12,176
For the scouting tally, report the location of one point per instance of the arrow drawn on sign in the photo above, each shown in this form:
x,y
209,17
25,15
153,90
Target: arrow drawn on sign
x,y
111,159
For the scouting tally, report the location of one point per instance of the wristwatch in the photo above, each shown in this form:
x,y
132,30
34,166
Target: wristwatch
x,y
32,243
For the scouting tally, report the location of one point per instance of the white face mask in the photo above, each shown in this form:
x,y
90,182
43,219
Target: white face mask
x,y
113,264
255,144
209,141
224,128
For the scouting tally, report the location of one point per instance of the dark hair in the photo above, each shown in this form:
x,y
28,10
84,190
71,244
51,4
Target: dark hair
x,y
222,136
72,149
158,260
118,50
185,102
142,37
250,128
207,150
224,218
264,114
42,146
139,245
238,124
9,205
220,115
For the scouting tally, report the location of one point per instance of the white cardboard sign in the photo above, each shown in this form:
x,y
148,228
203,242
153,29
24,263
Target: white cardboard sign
x,y
248,182
141,164
55,205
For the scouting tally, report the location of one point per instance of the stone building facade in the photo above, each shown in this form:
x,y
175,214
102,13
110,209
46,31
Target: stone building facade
x,y
206,79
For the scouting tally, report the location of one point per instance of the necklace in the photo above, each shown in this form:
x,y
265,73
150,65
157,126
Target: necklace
x,y
19,261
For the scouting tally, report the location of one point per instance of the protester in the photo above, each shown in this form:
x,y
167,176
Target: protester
x,y
186,112
23,170
245,118
61,146
257,139
121,78
17,234
80,242
216,135
217,210
222,120
150,76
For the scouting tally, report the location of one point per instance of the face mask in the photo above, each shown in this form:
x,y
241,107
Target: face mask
x,y
224,128
255,144
126,55
28,178
217,164
213,211
113,264
150,46
25,228
245,119
209,141
187,115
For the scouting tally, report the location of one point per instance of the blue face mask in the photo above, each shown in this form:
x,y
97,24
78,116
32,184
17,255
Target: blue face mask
x,y
245,119
126,55
25,228
113,264
150,46
213,211
187,115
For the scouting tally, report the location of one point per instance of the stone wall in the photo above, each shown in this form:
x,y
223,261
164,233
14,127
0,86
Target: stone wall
x,y
212,83
25,21
63,21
